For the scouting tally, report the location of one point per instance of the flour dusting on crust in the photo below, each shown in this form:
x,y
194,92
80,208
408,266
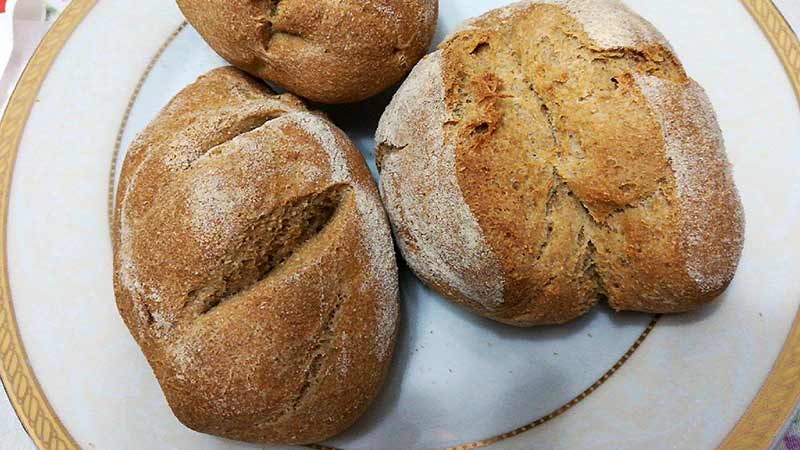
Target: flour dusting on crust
x,y
609,23
213,201
128,272
387,10
703,178
436,230
374,225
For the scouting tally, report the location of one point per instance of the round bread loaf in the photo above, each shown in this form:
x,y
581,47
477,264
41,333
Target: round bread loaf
x,y
551,154
329,51
254,265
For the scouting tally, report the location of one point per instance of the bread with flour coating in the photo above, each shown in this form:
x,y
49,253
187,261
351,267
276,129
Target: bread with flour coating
x,y
254,265
329,51
553,153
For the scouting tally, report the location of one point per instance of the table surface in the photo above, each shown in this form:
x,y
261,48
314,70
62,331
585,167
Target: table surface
x,y
32,19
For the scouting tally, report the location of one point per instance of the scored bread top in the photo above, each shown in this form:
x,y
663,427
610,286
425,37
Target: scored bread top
x,y
254,265
330,51
575,143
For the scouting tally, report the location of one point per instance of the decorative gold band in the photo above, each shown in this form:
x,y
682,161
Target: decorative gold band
x,y
776,401
757,428
27,397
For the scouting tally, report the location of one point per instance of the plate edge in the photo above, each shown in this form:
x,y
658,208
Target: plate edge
x,y
757,428
26,395
774,404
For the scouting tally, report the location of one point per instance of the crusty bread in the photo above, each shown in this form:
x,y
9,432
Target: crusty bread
x,y
553,153
329,51
254,264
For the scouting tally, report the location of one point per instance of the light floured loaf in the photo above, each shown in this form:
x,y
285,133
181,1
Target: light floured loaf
x,y
554,153
254,264
329,51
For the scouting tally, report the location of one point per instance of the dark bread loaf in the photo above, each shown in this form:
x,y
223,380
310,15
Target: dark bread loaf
x,y
554,153
254,264
329,51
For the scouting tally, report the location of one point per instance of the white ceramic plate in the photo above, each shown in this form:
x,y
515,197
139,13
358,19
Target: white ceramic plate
x,y
605,381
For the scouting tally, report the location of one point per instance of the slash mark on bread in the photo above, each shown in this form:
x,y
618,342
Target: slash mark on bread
x,y
272,239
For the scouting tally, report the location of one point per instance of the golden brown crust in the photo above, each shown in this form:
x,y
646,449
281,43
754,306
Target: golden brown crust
x,y
254,265
327,51
579,149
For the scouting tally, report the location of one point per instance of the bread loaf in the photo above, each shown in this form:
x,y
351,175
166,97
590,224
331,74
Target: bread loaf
x,y
254,265
551,154
329,51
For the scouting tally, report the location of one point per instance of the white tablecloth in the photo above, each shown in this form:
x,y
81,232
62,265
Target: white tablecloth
x,y
29,30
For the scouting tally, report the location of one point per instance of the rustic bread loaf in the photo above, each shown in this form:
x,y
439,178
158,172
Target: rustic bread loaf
x,y
254,264
554,153
329,51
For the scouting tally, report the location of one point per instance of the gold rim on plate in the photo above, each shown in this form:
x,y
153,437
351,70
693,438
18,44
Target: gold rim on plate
x,y
758,427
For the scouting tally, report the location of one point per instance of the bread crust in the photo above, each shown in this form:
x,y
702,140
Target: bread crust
x,y
324,50
591,165
254,265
